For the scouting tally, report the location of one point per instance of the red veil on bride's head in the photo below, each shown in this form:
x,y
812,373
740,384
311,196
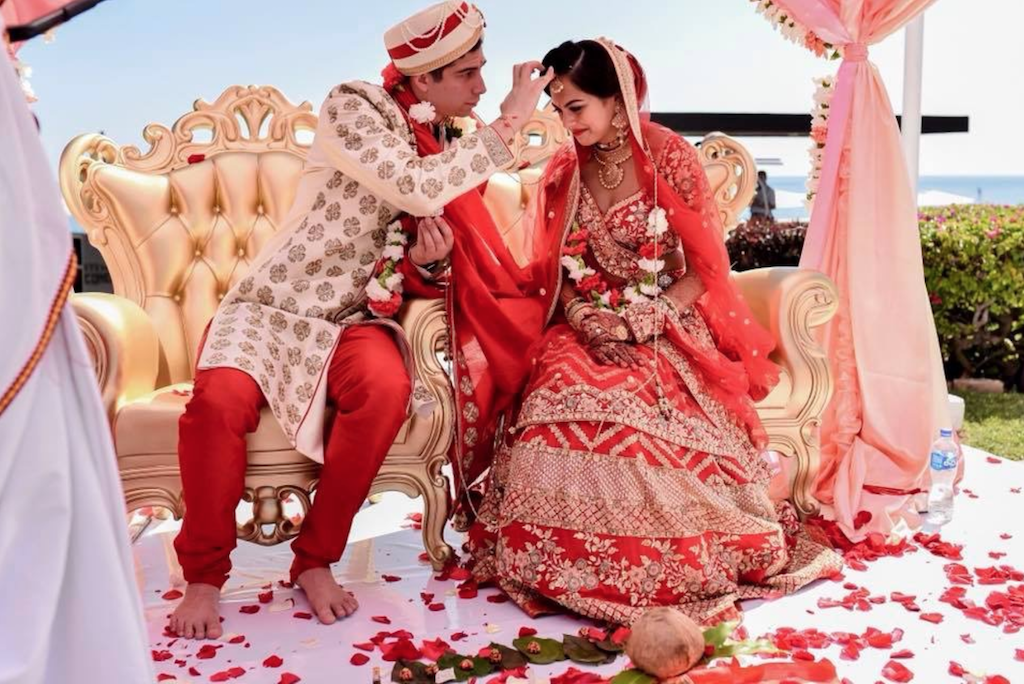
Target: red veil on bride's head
x,y
739,366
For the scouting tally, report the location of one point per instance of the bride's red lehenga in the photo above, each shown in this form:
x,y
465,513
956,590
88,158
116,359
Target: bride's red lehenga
x,y
614,490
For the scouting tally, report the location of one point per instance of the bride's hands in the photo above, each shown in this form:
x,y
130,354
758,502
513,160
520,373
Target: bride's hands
x,y
621,354
604,326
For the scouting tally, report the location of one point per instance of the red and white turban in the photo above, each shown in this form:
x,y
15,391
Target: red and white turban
x,y
434,37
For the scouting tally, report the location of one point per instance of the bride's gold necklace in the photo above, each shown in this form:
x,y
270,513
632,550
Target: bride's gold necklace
x,y
611,174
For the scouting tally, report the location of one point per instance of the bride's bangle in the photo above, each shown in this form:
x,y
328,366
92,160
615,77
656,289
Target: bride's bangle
x,y
576,310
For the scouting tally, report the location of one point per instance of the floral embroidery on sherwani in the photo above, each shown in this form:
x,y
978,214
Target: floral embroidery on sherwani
x,y
281,322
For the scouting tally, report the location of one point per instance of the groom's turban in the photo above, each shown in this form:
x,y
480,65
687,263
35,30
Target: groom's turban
x,y
434,37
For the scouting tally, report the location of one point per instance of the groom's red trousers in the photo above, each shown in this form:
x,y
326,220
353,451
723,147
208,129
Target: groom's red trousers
x,y
368,386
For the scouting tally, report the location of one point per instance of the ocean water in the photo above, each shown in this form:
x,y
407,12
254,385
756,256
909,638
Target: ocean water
x,y
981,189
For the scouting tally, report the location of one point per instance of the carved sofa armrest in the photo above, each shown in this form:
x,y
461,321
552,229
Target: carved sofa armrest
x,y
791,303
123,344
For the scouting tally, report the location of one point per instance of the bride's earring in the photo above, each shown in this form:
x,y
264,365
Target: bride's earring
x,y
620,123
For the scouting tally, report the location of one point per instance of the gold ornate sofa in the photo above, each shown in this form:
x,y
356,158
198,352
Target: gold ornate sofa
x,y
178,226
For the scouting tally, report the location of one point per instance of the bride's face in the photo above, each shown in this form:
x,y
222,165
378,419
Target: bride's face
x,y
588,117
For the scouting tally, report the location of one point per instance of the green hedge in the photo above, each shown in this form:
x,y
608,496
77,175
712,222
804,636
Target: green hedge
x,y
974,271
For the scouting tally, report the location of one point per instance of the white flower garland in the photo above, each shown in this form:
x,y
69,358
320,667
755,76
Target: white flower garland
x,y
384,290
819,133
647,289
794,31
422,112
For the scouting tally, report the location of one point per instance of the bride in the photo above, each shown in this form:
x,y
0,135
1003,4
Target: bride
x,y
629,474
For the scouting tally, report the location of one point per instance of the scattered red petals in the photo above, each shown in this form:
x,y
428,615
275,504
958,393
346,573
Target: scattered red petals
x,y
958,574
937,547
233,673
574,676
273,661
497,598
424,557
801,654
896,672
207,651
240,638
382,619
249,610
435,607
171,595
861,519
194,672
415,521
160,656
994,459
163,677
905,653
526,631
288,678
996,555
359,659
956,669
1005,535
266,596
302,615
459,636
934,618
967,638
468,590
403,649
391,578
432,650
364,646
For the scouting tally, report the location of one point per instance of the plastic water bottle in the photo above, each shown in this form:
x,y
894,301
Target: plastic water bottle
x,y
945,455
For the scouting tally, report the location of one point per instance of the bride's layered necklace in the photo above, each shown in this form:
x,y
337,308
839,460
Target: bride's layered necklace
x,y
610,158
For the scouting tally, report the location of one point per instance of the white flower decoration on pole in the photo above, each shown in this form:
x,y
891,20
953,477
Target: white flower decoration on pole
x,y
423,112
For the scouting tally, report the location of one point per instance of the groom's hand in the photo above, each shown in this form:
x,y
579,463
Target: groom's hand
x,y
434,241
521,102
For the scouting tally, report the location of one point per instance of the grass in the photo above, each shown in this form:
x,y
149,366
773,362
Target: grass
x,y
995,423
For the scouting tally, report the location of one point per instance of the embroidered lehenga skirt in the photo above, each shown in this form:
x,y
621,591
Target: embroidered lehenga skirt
x,y
614,493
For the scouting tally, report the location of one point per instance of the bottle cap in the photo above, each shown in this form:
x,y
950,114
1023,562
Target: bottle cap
x,y
945,433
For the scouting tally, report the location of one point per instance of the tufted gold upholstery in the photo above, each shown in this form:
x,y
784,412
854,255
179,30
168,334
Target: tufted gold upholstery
x,y
177,231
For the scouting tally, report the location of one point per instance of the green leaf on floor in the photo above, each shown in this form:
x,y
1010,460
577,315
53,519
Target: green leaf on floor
x,y
510,658
633,677
584,651
546,651
454,661
417,671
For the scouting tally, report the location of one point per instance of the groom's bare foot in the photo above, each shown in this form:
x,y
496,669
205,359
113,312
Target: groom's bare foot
x,y
328,599
197,617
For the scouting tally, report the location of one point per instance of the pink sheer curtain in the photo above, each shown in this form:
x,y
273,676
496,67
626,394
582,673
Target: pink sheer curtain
x,y
890,398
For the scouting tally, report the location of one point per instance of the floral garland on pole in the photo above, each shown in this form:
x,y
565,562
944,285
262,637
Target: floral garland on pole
x,y
819,133
794,31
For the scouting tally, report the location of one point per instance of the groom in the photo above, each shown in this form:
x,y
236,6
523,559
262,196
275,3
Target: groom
x,y
310,324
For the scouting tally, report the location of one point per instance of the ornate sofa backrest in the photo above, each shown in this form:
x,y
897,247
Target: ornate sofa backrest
x,y
179,225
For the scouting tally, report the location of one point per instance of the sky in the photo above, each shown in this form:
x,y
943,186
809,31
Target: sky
x,y
130,62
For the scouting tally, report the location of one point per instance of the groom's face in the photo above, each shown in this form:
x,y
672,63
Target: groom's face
x,y
456,89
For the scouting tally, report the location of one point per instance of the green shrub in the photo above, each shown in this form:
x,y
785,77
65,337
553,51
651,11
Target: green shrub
x,y
974,270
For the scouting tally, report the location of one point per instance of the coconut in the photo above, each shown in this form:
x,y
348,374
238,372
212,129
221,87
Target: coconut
x,y
665,643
